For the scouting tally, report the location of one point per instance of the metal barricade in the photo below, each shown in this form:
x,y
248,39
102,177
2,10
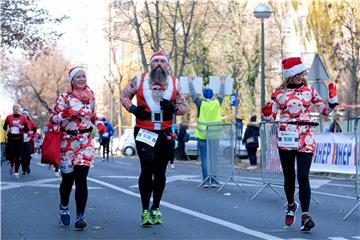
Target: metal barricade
x,y
357,174
220,143
270,162
271,170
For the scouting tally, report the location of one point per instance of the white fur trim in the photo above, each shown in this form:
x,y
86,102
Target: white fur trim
x,y
333,100
73,72
138,81
294,70
159,57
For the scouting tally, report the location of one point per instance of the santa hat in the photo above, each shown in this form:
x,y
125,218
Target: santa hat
x,y
72,72
292,66
160,55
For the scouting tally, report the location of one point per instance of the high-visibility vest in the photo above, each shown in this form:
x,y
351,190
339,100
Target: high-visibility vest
x,y
144,99
209,115
2,132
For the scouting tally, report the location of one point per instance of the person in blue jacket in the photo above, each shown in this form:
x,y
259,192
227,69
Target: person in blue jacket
x,y
105,138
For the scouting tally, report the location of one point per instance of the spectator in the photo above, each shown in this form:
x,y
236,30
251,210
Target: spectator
x,y
208,112
183,137
105,138
251,141
3,139
335,126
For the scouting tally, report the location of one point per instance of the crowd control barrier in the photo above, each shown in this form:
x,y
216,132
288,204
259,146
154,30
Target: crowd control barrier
x,y
357,172
220,144
270,161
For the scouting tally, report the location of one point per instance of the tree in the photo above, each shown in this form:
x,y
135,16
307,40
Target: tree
x,y
167,25
238,48
23,27
36,84
335,27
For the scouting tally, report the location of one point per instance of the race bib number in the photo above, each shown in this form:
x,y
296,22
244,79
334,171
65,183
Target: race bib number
x,y
106,134
147,137
288,139
15,130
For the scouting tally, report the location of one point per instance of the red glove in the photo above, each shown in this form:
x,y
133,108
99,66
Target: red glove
x,y
267,109
333,99
101,127
68,113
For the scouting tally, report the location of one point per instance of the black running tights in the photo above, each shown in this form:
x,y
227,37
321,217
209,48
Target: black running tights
x,y
79,175
303,160
153,161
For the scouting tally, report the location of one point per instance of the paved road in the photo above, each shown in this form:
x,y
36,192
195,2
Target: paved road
x,y
29,207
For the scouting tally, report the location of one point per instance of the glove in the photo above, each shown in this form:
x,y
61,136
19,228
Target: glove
x,y
333,99
168,106
68,113
267,110
101,127
139,112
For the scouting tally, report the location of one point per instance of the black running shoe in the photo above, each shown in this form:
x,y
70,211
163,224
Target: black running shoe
x,y
306,223
80,222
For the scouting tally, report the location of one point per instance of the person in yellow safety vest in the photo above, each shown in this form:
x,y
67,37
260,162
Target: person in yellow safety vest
x,y
209,112
3,137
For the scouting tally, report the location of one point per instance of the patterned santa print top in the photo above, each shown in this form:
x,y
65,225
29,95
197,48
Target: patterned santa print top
x,y
294,104
76,149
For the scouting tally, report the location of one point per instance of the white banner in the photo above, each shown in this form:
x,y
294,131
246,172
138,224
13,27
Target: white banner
x,y
197,82
335,152
215,83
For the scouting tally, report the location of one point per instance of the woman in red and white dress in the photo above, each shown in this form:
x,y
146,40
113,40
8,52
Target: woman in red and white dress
x,y
74,110
294,100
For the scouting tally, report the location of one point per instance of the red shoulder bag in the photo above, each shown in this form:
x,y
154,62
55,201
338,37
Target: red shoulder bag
x,y
50,149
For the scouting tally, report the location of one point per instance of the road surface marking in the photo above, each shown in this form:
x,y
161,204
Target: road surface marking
x,y
338,238
205,217
37,183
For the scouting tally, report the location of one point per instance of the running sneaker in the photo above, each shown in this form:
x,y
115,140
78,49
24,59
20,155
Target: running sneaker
x,y
290,214
16,175
146,218
156,216
64,215
306,223
80,222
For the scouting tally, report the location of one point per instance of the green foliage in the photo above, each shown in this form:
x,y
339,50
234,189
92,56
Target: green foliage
x,y
199,60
